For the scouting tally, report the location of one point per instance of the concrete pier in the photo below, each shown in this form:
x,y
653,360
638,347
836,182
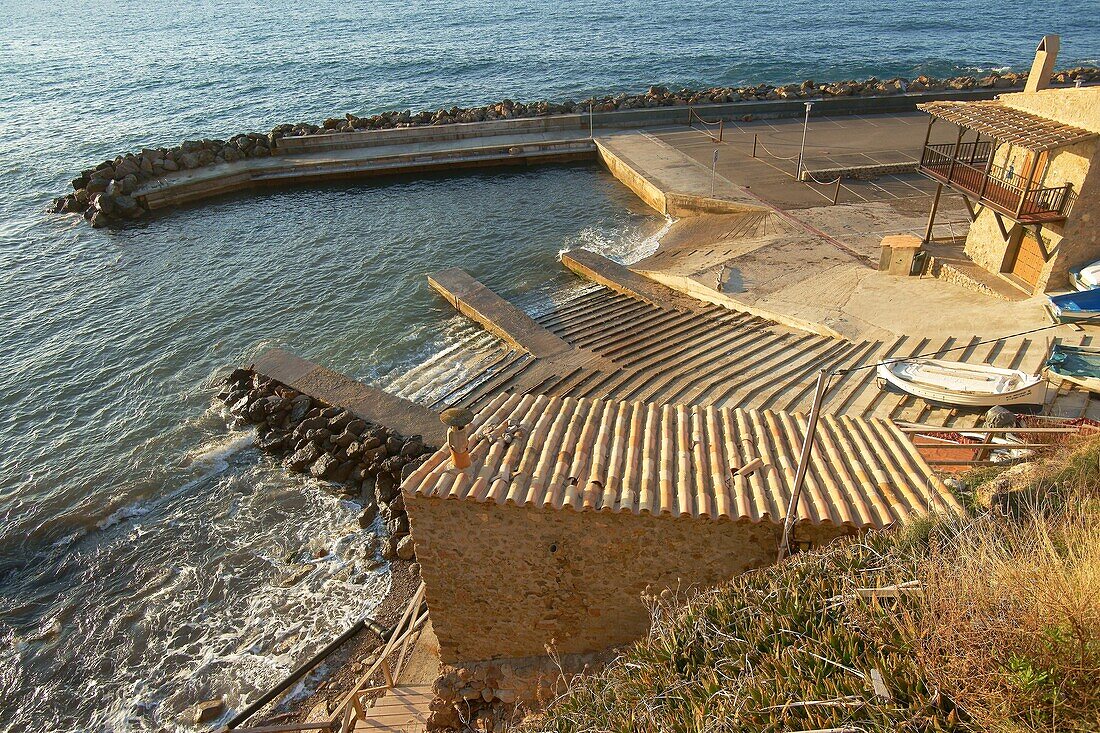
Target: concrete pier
x,y
367,403
497,315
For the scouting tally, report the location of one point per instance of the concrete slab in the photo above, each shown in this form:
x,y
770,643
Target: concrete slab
x,y
497,315
608,273
367,403
831,142
668,180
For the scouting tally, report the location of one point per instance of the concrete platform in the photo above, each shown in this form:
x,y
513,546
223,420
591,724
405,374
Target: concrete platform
x,y
305,167
370,404
497,315
610,274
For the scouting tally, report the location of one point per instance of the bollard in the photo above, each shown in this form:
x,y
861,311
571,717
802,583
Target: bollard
x,y
754,145
721,127
836,193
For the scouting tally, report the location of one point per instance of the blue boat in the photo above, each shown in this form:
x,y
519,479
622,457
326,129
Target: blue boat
x,y
1077,364
1076,307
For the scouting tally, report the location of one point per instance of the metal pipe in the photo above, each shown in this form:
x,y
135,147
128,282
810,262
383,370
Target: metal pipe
x,y
305,667
754,136
803,463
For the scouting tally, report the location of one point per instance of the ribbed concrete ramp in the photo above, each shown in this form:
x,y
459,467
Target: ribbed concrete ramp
x,y
686,461
714,356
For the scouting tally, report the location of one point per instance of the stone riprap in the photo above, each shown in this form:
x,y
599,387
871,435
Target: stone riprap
x,y
103,194
330,443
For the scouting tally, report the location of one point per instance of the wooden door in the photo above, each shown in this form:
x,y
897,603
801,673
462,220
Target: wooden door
x,y
1028,260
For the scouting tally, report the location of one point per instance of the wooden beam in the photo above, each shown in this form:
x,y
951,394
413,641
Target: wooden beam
x,y
1005,233
932,214
971,213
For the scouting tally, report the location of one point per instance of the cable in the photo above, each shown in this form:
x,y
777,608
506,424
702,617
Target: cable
x,y
960,348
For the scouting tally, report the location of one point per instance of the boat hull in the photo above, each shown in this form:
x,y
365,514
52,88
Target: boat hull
x,y
1033,393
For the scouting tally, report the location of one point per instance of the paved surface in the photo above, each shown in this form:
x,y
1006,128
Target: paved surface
x,y
213,180
472,299
830,142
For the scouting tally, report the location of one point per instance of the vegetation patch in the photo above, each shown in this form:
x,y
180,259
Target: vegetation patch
x,y
984,622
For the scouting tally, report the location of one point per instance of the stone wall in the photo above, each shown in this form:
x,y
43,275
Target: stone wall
x,y
365,461
104,192
506,581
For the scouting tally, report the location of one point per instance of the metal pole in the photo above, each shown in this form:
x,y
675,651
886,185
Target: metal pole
x,y
836,193
713,167
802,151
754,136
803,463
591,123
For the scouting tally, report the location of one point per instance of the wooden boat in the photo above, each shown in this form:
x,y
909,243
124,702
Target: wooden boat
x,y
1087,277
1076,364
959,383
1075,307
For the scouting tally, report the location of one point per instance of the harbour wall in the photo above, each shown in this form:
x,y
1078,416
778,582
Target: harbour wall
x,y
130,185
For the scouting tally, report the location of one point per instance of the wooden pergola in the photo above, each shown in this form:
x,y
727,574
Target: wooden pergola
x,y
967,166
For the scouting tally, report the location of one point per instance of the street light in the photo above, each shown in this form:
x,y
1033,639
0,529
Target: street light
x,y
805,126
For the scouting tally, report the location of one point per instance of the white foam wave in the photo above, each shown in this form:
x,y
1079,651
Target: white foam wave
x,y
624,248
218,452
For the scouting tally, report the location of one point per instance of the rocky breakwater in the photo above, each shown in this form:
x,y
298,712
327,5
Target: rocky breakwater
x,y
104,194
366,462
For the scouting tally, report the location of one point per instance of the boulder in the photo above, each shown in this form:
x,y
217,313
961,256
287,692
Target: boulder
x,y
299,460
299,406
208,711
406,550
367,516
385,488
324,467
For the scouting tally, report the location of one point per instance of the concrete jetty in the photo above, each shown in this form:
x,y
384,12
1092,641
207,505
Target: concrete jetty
x,y
497,315
368,403
623,139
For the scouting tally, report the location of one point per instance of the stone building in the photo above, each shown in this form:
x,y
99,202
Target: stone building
x,y
1028,167
572,509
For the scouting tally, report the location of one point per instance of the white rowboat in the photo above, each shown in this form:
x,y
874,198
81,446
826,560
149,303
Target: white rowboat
x,y
959,383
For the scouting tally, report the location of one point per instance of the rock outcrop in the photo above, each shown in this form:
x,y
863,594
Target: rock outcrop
x,y
366,461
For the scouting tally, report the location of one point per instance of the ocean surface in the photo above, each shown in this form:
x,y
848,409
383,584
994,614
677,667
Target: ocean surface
x,y
144,544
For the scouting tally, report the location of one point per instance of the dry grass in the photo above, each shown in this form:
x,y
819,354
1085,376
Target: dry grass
x,y
1010,619
1005,637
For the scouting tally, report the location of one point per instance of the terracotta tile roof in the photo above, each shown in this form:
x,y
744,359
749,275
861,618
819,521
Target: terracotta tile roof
x,y
600,455
1007,124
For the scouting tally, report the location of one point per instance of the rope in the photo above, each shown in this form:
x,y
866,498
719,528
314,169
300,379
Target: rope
x,y
777,157
693,113
823,183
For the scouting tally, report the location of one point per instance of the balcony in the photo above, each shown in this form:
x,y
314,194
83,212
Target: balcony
x,y
967,169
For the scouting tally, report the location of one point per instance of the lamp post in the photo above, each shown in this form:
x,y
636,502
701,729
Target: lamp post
x,y
802,151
